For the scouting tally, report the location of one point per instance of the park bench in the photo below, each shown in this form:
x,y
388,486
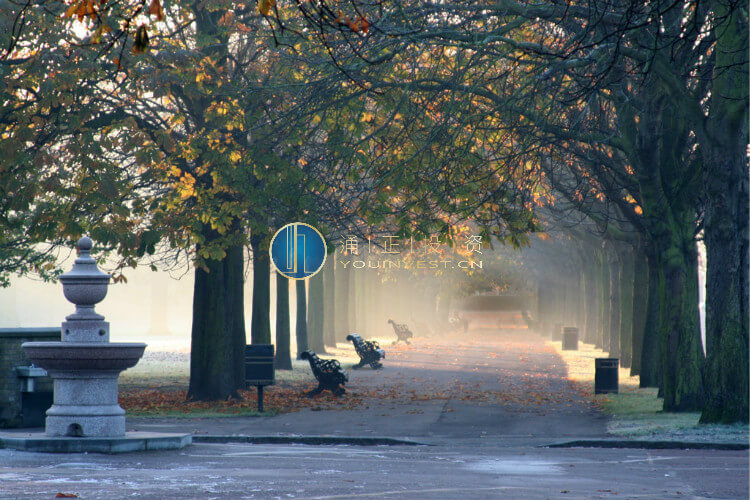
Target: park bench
x,y
402,331
369,352
327,372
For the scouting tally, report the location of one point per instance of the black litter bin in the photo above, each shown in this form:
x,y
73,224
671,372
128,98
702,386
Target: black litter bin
x,y
570,338
259,368
606,375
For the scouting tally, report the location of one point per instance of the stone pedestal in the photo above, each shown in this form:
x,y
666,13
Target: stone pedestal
x,y
85,331
85,405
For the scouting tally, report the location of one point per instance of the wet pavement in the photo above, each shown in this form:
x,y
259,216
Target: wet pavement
x,y
468,469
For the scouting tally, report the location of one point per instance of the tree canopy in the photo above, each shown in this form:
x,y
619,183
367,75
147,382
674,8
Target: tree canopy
x,y
198,128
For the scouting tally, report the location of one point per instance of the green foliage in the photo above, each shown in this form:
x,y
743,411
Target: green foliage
x,y
65,168
215,132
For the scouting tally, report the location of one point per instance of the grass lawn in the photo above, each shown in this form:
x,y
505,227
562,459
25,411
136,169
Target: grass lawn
x,y
637,413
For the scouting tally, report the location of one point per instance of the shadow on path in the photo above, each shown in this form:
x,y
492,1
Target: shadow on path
x,y
502,384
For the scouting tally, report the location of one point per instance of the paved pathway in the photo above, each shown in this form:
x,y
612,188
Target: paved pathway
x,y
508,385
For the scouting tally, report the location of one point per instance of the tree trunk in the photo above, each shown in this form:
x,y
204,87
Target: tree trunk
x,y
544,298
351,312
301,328
726,236
604,302
342,302
315,314
640,307
283,333
614,302
365,298
592,301
329,303
581,300
625,254
355,300
726,224
442,312
558,301
669,188
260,323
651,351
217,353
681,350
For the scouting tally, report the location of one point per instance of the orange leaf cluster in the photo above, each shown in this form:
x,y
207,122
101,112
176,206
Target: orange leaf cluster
x,y
280,398
155,9
265,6
82,9
361,24
529,390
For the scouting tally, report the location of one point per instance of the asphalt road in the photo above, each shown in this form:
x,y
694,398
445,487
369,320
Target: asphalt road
x,y
469,469
484,411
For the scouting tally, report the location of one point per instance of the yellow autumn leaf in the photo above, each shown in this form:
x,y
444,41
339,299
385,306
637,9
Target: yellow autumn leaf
x,y
72,9
155,9
265,6
187,192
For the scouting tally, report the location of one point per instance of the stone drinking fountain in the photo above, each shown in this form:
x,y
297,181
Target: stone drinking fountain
x,y
85,365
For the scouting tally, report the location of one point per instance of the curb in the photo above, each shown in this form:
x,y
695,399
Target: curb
x,y
649,445
307,440
131,442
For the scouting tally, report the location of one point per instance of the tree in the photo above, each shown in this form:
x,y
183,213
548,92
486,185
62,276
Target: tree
x,y
218,306
329,302
260,327
316,313
301,328
724,138
283,331
227,163
573,69
56,182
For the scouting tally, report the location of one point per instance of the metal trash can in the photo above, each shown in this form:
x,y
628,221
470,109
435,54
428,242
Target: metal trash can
x,y
570,338
259,369
606,375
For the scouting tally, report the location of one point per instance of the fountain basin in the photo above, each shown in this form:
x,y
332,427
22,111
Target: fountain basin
x,y
85,377
79,356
